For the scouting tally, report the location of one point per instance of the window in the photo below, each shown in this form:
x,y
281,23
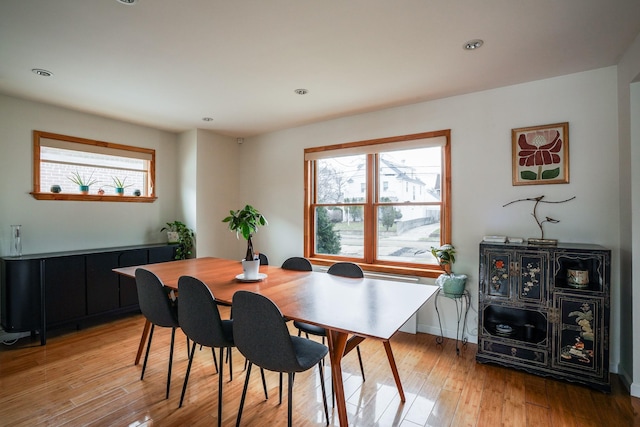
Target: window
x,y
58,158
379,203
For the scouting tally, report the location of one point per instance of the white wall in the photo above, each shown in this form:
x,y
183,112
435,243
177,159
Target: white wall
x,y
480,126
629,147
49,225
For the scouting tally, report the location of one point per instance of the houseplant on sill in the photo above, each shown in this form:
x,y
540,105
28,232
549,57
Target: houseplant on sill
x,y
246,222
178,232
451,284
83,184
119,185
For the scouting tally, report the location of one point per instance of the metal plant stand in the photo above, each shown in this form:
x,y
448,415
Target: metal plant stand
x,y
462,303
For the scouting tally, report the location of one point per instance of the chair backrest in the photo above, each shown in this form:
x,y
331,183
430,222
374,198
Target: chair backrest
x,y
154,300
198,314
261,334
297,263
346,269
264,260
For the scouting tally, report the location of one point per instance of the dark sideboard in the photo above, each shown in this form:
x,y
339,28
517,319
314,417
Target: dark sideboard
x,y
44,291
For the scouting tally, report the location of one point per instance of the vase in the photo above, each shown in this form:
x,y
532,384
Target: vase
x,y
119,191
251,269
84,189
56,188
452,284
173,237
16,240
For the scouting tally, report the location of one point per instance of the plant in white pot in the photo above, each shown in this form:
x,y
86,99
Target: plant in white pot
x,y
246,222
451,284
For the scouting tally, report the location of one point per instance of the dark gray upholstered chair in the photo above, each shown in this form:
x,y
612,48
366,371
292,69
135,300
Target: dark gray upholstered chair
x,y
159,309
344,269
264,260
262,336
200,320
297,263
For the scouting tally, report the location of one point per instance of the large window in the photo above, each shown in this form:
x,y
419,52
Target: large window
x,y
61,162
381,203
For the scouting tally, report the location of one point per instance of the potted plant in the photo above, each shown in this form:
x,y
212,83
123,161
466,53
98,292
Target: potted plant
x,y
119,185
178,232
246,222
83,184
451,284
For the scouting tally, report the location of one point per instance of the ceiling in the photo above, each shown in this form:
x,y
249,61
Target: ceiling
x,y
168,64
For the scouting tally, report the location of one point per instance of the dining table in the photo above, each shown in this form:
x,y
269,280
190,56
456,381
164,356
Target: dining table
x,y
351,310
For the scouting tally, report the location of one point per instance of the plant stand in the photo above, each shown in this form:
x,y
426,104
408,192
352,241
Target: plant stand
x,y
462,303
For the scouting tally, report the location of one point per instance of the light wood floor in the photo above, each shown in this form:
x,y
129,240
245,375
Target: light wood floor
x,y
87,377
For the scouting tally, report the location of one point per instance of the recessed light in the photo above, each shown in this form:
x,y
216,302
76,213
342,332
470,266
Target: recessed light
x,y
207,119
41,72
127,2
473,44
301,91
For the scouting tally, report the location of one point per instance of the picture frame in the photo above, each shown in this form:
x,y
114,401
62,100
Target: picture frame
x,y
540,154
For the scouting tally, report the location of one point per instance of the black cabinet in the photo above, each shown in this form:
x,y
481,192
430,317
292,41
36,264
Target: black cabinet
x,y
47,290
545,310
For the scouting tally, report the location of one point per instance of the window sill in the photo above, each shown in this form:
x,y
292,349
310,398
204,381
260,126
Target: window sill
x,y
92,197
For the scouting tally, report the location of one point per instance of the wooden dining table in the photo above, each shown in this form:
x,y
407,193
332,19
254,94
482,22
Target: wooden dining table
x,y
351,310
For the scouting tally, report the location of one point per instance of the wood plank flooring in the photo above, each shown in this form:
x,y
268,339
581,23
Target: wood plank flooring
x,y
87,378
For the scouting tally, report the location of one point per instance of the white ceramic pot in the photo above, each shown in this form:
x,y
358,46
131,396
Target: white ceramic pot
x,y
251,269
452,284
173,236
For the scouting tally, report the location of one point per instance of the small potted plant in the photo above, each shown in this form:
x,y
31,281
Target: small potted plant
x,y
246,222
119,185
451,284
83,184
178,232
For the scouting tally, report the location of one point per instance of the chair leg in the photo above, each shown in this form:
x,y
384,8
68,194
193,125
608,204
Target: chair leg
x,y
290,398
173,338
215,359
280,401
360,360
244,394
230,359
324,392
264,384
186,377
146,355
220,387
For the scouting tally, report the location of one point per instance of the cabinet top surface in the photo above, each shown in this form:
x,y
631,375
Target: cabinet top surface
x,y
560,245
81,252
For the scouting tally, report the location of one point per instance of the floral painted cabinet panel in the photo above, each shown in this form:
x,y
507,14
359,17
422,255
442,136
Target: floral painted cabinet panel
x,y
545,310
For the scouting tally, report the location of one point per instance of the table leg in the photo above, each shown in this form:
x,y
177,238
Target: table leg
x,y
143,340
394,369
337,343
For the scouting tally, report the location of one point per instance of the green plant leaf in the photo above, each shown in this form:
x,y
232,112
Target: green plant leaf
x,y
551,173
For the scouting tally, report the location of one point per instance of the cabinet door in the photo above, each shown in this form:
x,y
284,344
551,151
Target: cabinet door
x,y
579,335
128,291
496,269
65,291
102,283
20,295
533,277
162,254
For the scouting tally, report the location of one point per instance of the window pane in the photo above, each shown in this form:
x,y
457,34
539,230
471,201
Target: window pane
x,y
406,233
410,175
339,231
340,178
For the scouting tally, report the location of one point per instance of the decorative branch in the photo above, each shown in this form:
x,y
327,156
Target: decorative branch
x,y
538,200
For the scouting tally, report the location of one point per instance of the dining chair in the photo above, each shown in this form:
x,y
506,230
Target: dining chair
x,y
261,335
297,263
160,308
200,320
264,260
343,269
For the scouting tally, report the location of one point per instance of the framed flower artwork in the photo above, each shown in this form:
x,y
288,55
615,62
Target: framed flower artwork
x,y
541,154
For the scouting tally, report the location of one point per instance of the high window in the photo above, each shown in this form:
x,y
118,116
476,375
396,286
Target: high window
x,y
62,163
381,203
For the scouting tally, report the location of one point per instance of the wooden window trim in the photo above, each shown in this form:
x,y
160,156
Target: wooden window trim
x,y
38,194
385,267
